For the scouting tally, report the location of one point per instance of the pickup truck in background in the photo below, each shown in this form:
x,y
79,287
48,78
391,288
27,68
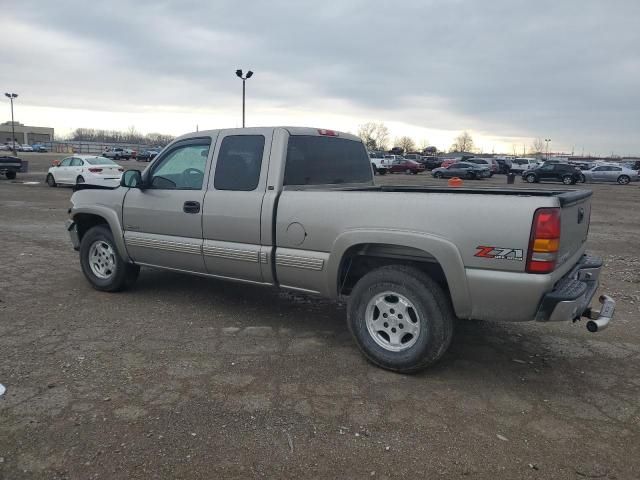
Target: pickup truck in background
x,y
10,166
118,153
297,208
379,163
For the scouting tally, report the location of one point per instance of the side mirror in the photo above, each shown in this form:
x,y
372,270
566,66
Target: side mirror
x,y
131,179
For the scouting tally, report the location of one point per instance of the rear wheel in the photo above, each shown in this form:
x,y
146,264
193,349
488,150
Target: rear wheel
x,y
531,178
400,318
568,180
79,180
471,175
11,175
623,179
382,171
102,265
407,171
51,181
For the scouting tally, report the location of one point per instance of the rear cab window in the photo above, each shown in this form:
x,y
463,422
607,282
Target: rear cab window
x,y
320,160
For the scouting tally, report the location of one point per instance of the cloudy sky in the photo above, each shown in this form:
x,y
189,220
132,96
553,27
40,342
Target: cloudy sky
x,y
506,70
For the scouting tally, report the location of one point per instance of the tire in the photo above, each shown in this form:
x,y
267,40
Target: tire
x,y
117,274
437,175
117,157
568,180
531,178
10,175
79,180
407,171
582,178
432,318
471,175
51,181
622,179
382,171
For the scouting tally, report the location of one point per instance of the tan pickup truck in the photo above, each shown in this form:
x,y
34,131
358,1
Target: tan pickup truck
x,y
297,208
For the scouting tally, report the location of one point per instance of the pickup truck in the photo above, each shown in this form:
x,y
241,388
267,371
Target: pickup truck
x,y
118,153
297,208
10,166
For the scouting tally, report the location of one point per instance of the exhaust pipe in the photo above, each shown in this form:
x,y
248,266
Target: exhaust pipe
x,y
600,319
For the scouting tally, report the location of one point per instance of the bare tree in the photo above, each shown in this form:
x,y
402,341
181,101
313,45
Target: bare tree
x,y
538,145
374,135
462,143
405,143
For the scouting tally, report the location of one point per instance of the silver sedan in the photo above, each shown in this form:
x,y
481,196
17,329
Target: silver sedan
x,y
610,173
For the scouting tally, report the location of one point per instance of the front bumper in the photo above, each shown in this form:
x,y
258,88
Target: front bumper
x,y
572,295
72,228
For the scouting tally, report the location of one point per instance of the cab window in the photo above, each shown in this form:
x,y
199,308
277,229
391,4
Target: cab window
x,y
182,167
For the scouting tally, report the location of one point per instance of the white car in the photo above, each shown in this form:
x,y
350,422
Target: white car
x,y
26,148
80,169
519,165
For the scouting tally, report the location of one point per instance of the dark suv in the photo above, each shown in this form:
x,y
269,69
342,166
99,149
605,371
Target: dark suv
x,y
559,172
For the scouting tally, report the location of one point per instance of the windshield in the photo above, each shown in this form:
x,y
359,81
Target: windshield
x,y
315,160
99,161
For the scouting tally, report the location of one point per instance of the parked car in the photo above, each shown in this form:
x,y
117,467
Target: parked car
x,y
610,173
633,165
260,210
39,148
413,156
472,171
519,165
490,163
88,169
430,162
25,148
407,166
379,163
4,147
504,165
10,166
559,172
146,155
117,153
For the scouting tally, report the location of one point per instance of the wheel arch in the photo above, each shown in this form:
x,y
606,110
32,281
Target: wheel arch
x,y
357,252
86,219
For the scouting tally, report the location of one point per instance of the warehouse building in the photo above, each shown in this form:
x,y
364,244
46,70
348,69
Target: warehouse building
x,y
25,133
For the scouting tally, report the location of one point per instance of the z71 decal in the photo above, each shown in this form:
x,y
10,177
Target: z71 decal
x,y
500,253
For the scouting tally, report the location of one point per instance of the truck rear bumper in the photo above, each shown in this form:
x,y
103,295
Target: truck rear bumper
x,y
572,295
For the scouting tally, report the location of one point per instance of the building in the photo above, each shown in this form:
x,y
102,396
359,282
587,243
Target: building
x,y
25,133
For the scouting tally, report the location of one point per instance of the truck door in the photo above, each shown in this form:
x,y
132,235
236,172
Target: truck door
x,y
233,205
163,222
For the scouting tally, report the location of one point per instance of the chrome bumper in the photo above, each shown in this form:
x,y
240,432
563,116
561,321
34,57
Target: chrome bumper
x,y
572,295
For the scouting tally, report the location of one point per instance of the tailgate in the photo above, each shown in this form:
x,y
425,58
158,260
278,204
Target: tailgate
x,y
575,215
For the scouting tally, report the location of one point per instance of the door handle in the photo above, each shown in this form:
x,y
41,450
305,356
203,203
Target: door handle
x,y
191,207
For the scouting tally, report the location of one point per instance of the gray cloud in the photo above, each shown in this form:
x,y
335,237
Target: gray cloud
x,y
567,69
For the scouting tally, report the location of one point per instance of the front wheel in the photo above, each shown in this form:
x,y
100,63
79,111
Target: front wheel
x,y
400,318
382,171
568,180
51,181
471,175
623,179
11,175
102,265
437,175
530,178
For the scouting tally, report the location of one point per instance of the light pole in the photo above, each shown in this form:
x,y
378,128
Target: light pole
x,y
11,96
244,80
547,140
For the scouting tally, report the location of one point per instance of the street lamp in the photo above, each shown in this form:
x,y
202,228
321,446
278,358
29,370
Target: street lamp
x,y
11,96
547,141
244,79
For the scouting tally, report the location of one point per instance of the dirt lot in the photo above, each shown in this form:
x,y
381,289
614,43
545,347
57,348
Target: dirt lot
x,y
186,377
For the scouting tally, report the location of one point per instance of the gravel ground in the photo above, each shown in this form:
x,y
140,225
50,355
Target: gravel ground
x,y
186,377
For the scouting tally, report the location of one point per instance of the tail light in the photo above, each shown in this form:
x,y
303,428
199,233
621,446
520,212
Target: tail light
x,y
327,133
95,170
544,242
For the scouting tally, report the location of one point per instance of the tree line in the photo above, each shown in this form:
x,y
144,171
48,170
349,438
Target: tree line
x,y
376,137
131,135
